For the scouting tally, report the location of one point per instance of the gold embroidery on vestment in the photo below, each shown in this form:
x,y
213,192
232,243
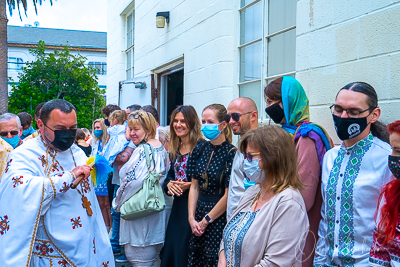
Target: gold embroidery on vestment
x,y
35,229
59,250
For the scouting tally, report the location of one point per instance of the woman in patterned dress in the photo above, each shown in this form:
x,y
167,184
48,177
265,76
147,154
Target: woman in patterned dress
x,y
185,134
142,238
209,167
100,138
385,249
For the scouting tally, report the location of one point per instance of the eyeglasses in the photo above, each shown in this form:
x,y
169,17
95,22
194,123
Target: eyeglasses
x,y
249,156
5,133
135,116
235,116
351,112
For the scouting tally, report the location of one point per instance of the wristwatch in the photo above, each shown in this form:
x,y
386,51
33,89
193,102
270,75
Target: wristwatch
x,y
208,219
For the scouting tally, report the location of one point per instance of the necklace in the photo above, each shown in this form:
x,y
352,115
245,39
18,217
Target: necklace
x,y
85,202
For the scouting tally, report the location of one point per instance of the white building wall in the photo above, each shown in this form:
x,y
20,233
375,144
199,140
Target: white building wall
x,y
339,42
116,46
202,32
23,52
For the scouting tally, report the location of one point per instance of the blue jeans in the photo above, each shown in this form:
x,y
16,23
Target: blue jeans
x,y
115,226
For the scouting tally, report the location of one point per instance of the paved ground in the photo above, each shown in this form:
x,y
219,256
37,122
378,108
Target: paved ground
x,y
123,264
126,264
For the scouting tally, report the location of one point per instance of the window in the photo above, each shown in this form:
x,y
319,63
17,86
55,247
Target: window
x,y
267,45
130,36
15,63
101,67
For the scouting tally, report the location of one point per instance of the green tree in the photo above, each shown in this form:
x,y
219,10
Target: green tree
x,y
12,4
58,75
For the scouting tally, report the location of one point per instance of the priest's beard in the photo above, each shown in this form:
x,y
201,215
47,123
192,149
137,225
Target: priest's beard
x,y
47,140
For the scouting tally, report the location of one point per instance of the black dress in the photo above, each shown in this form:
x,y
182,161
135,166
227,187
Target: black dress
x,y
86,149
175,251
203,250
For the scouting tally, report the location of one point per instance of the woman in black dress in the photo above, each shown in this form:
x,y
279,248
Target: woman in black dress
x,y
209,167
185,134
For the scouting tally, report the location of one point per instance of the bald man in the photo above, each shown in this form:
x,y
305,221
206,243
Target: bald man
x,y
243,117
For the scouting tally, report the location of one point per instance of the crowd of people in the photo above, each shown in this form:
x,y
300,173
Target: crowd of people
x,y
284,196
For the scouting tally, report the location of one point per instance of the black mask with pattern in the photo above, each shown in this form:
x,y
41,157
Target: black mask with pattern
x,y
394,166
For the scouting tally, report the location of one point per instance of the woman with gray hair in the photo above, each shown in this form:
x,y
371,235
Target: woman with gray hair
x,y
164,136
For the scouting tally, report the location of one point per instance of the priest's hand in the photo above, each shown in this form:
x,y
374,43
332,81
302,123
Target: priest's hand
x,y
82,170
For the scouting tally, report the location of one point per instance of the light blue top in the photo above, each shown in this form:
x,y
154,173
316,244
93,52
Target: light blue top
x,y
237,232
116,144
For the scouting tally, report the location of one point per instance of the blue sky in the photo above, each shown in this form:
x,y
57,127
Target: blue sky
x,y
88,15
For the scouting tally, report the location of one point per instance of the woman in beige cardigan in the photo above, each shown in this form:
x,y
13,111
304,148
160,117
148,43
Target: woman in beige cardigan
x,y
270,225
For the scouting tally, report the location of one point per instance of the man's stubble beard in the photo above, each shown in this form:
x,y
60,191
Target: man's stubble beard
x,y
47,140
244,127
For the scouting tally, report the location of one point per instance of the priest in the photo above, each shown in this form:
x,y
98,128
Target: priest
x,y
43,221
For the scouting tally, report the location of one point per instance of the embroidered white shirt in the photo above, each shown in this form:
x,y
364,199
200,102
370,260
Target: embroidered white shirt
x,y
352,179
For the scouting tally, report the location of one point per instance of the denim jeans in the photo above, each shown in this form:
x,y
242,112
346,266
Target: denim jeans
x,y
115,226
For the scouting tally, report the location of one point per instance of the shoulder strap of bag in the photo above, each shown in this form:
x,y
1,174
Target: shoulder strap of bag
x,y
146,152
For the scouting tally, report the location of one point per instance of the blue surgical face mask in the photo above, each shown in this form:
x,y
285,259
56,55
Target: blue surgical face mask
x,y
26,132
210,131
98,133
13,141
252,171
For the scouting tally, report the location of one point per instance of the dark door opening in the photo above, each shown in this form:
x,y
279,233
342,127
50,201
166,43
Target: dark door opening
x,y
174,93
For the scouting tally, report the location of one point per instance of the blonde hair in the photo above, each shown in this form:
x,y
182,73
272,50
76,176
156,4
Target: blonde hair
x,y
119,115
193,124
144,119
104,137
278,154
221,112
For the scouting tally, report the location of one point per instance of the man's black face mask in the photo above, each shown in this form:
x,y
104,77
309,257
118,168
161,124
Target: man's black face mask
x,y
63,139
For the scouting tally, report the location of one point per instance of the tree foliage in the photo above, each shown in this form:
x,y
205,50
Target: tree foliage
x,y
16,3
58,75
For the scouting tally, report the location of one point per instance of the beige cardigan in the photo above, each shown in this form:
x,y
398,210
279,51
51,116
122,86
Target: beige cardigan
x,y
277,235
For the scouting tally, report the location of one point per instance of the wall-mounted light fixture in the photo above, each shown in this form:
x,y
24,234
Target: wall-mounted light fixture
x,y
161,18
140,85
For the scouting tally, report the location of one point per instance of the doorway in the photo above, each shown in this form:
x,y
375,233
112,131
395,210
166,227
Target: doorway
x,y
171,94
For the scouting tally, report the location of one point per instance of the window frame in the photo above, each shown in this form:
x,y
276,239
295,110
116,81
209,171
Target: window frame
x,y
131,48
18,65
101,67
264,78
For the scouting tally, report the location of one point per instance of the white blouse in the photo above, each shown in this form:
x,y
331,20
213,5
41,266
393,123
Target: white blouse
x,y
148,230
352,179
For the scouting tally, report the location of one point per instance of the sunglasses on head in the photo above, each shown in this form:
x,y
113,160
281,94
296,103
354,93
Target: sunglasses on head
x,y
249,156
136,116
5,133
235,116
